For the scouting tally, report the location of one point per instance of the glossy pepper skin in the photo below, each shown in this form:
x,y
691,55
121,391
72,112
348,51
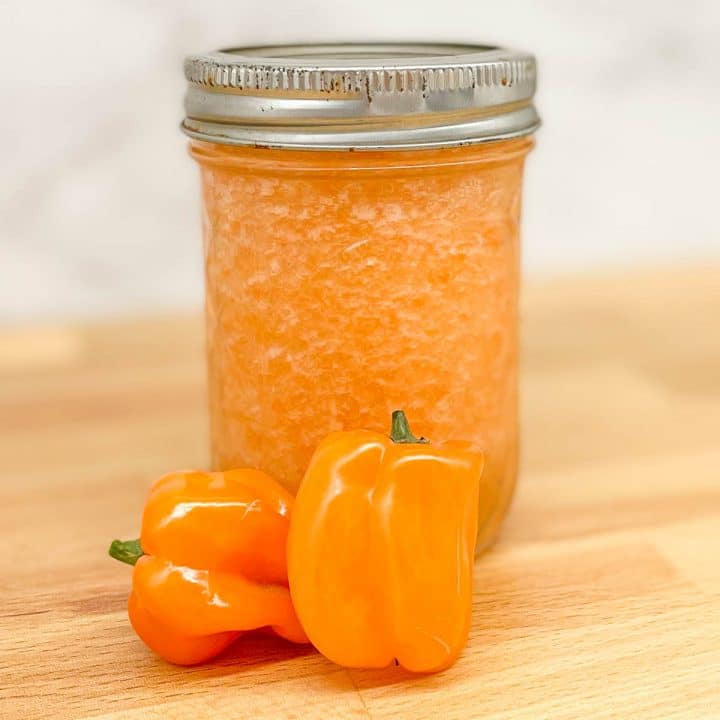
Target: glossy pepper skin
x,y
210,563
381,548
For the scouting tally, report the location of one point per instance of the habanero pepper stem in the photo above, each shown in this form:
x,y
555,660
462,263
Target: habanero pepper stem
x,y
127,551
400,429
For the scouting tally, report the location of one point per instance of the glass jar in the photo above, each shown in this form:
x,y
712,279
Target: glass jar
x,y
362,248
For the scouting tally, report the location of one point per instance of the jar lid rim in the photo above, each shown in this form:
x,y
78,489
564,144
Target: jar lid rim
x,y
360,96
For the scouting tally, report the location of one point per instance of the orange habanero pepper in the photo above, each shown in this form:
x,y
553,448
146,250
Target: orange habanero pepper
x,y
381,548
210,563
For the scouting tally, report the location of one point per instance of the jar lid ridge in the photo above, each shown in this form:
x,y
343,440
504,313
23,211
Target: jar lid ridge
x,y
374,96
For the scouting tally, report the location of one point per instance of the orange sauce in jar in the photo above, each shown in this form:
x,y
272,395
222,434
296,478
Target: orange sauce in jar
x,y
343,285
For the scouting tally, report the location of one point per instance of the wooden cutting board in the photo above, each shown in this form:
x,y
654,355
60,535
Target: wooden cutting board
x,y
601,600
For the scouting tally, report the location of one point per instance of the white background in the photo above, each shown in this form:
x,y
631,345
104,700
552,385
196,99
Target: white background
x,y
99,200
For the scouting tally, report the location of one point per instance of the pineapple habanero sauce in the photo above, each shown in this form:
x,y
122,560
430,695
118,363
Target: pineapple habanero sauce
x,y
361,210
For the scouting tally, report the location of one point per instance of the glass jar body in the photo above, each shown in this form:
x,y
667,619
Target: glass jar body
x,y
343,285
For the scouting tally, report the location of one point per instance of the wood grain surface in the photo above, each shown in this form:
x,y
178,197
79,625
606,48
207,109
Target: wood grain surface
x,y
601,599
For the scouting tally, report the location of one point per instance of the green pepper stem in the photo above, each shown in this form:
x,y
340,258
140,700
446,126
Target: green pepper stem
x,y
400,431
127,551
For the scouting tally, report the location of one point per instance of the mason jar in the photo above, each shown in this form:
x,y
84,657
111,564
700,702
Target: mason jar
x,y
361,210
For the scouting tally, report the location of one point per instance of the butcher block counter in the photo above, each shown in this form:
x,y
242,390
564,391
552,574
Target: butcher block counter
x,y
600,600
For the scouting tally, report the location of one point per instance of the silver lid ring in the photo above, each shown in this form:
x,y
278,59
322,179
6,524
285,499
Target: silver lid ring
x,y
360,97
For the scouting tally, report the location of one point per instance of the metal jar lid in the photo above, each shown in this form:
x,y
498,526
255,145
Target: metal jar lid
x,y
360,97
